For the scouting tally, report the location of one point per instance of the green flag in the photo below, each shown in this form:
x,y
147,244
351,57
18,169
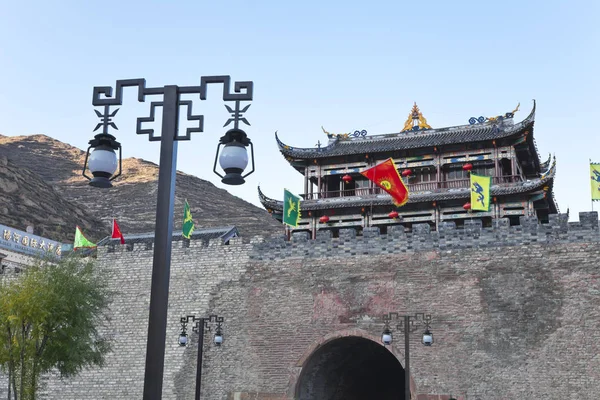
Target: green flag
x,y
188,222
291,208
80,241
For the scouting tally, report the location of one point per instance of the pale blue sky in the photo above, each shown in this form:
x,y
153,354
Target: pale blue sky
x,y
344,65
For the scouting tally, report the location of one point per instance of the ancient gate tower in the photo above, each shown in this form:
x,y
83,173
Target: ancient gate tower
x,y
435,164
514,293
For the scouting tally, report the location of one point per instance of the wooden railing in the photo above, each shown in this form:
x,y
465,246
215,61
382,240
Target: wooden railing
x,y
412,187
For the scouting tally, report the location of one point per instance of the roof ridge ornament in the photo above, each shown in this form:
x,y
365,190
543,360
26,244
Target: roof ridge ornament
x,y
415,121
551,171
356,133
498,118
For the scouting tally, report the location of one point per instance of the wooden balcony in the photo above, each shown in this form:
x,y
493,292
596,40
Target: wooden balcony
x,y
413,187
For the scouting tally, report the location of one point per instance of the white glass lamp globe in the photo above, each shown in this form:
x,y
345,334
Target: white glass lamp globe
x,y
103,161
233,160
102,164
183,340
233,156
427,338
218,339
386,338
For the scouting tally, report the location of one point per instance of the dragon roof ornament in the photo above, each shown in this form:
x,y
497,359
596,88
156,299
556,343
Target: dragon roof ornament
x,y
356,133
497,118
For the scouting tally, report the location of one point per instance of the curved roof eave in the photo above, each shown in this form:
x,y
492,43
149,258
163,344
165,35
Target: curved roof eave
x,y
409,140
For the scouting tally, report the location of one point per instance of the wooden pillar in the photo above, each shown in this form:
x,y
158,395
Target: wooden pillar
x,y
319,191
306,182
513,162
439,170
436,216
530,208
496,165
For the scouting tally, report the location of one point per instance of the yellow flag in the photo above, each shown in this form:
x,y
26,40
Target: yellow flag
x,y
480,192
595,175
188,223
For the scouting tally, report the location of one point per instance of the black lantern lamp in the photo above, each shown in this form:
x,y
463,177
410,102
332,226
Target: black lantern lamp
x,y
218,338
183,337
102,162
427,338
234,156
386,336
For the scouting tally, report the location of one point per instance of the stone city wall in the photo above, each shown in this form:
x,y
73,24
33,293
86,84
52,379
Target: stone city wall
x,y
516,310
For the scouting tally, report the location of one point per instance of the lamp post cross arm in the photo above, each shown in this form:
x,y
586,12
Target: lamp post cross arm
x,y
103,95
414,322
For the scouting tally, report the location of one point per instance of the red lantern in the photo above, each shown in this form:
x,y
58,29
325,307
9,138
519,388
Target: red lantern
x,y
467,206
394,214
467,167
407,172
324,219
347,178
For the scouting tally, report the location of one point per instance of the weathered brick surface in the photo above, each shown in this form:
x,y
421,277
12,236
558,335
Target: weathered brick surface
x,y
516,311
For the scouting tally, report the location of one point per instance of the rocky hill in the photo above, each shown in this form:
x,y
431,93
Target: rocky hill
x,y
29,200
47,171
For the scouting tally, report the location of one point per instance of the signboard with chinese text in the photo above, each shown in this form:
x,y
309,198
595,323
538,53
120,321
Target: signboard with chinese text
x,y
27,243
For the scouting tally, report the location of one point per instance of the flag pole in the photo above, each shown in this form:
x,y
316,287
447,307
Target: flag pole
x,y
371,184
592,195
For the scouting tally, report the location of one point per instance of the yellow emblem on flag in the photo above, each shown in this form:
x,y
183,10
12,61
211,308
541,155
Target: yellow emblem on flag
x,y
480,192
595,179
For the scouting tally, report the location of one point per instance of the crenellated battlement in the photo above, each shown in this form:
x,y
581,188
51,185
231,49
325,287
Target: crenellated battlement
x,y
421,238
449,237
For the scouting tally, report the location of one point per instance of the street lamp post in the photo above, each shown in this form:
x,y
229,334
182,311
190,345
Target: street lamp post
x,y
200,326
407,324
102,163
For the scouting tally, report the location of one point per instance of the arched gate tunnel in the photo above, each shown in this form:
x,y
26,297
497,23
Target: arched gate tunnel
x,y
351,368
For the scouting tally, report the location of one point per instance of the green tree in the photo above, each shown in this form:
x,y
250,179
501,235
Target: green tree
x,y
49,315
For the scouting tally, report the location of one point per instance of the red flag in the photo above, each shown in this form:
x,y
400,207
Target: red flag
x,y
386,176
116,232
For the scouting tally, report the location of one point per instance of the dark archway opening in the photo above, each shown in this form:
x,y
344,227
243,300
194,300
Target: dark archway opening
x,y
351,368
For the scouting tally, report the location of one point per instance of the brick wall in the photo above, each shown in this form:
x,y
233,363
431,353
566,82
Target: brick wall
x,y
516,311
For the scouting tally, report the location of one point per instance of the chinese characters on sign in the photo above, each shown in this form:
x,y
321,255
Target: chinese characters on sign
x,y
23,242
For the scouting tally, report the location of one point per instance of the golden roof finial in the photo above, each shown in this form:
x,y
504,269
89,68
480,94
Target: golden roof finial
x,y
415,120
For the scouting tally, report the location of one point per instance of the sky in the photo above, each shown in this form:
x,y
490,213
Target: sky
x,y
341,65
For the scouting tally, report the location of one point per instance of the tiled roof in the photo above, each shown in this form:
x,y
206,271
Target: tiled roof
x,y
385,199
410,140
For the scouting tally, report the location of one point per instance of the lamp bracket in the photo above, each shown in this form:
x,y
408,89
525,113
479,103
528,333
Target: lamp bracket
x,y
242,91
201,323
415,321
